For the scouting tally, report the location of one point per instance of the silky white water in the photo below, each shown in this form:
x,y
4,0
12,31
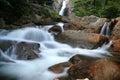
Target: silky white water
x,y
106,29
61,12
52,52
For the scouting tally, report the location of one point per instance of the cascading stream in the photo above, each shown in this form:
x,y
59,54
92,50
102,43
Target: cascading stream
x,y
106,29
62,10
52,53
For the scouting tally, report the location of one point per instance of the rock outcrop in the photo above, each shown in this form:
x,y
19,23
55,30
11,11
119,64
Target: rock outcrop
x,y
20,50
116,30
58,68
81,39
101,69
91,23
27,51
97,69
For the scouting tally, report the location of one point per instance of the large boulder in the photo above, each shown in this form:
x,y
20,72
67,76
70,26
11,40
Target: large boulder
x,y
27,51
79,58
116,30
101,69
72,23
88,23
81,39
115,48
58,68
20,50
56,29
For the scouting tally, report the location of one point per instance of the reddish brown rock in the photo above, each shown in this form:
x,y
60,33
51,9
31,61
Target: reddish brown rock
x,y
101,69
116,30
79,58
81,39
91,23
55,29
62,78
73,23
116,45
58,68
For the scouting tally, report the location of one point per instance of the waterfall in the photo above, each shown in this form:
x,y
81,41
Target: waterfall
x,y
61,26
4,57
61,12
52,53
33,34
106,29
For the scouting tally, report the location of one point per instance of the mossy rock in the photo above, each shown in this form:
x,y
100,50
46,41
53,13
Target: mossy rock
x,y
48,12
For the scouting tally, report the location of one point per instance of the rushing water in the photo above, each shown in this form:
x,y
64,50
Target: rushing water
x,y
61,12
106,29
52,52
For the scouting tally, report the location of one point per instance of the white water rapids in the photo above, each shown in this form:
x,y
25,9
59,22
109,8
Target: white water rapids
x,y
52,52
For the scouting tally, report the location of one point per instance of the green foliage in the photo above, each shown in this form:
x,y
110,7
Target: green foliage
x,y
48,12
12,10
101,8
112,10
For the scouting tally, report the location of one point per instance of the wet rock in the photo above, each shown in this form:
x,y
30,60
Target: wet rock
x,y
62,78
20,50
67,12
101,69
79,58
55,30
58,68
91,23
81,39
40,20
27,51
116,45
116,30
73,23
94,26
5,44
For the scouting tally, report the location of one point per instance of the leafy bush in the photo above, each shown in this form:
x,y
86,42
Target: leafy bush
x,y
12,10
109,9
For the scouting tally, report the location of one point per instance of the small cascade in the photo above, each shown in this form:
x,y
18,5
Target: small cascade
x,y
52,52
61,26
61,12
106,29
32,34
3,32
11,52
4,57
106,46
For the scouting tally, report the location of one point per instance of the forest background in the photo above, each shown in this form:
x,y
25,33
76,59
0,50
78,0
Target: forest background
x,y
101,8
